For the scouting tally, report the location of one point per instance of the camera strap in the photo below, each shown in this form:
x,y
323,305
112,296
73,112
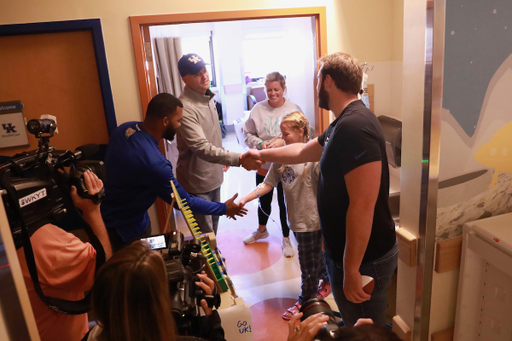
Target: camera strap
x,y
58,305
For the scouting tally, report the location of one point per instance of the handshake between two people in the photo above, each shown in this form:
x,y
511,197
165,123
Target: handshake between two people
x,y
250,160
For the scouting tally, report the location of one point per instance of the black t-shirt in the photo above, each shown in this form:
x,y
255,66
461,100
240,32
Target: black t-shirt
x,y
355,138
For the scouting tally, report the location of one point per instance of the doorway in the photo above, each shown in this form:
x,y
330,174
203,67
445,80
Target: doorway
x,y
140,26
239,54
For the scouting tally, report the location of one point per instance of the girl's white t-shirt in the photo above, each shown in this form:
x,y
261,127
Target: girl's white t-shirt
x,y
300,193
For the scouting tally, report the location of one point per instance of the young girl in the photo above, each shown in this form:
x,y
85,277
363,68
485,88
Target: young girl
x,y
300,185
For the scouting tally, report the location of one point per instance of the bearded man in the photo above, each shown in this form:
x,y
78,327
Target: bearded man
x,y
138,173
353,191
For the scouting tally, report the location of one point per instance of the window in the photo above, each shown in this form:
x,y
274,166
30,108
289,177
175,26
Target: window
x,y
202,44
264,51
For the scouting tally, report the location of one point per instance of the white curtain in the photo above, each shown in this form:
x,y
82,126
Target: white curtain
x,y
168,52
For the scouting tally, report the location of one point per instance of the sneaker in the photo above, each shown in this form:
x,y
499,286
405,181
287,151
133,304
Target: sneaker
x,y
288,249
323,290
256,235
287,315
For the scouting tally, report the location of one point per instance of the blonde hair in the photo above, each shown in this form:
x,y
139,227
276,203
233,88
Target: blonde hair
x,y
296,121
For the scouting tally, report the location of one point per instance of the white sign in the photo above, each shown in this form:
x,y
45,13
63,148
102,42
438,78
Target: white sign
x,y
237,322
29,199
12,129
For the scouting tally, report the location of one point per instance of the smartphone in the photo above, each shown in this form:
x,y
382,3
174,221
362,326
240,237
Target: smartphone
x,y
157,242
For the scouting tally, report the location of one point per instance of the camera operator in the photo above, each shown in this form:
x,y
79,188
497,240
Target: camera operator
x,y
66,268
131,299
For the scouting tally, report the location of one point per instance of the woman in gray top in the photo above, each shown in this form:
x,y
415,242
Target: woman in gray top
x,y
262,131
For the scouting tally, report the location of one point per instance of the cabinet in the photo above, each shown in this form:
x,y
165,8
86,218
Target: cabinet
x,y
484,304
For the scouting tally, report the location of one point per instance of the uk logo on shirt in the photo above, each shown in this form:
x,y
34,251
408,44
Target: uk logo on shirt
x,y
288,175
129,132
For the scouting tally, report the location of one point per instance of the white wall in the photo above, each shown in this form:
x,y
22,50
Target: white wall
x,y
301,66
228,38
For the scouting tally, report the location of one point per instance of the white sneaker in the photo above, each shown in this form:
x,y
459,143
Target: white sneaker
x,y
256,235
288,249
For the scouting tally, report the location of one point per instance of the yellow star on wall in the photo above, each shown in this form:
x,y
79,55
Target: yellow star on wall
x,y
497,153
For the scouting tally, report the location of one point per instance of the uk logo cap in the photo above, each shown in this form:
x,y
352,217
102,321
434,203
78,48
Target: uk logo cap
x,y
190,64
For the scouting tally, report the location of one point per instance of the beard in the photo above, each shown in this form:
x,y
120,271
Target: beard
x,y
169,134
323,97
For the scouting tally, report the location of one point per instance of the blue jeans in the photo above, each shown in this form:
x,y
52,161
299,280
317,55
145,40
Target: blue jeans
x,y
208,223
382,270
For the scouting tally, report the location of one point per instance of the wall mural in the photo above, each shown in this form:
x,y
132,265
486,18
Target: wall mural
x,y
478,36
476,131
497,153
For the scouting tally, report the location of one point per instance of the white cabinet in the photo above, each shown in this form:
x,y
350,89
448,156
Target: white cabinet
x,y
484,304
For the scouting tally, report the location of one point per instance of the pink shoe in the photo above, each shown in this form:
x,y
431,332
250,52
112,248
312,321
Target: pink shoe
x,y
287,315
323,290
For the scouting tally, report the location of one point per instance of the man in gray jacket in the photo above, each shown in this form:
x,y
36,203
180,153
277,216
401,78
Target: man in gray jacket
x,y
201,156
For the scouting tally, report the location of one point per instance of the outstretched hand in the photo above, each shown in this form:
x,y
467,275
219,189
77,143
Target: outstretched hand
x,y
93,185
307,329
250,160
233,209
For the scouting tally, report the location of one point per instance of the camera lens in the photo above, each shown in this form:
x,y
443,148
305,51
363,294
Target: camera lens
x,y
315,306
44,126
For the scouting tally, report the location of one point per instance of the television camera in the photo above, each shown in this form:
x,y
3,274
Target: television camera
x,y
35,184
35,188
182,263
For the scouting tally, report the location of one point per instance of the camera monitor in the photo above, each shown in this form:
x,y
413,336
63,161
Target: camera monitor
x,y
157,242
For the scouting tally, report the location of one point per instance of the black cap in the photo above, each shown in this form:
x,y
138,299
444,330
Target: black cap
x,y
190,64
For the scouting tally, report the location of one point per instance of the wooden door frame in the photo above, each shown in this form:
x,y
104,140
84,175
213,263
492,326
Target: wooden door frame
x,y
145,74
92,25
140,25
